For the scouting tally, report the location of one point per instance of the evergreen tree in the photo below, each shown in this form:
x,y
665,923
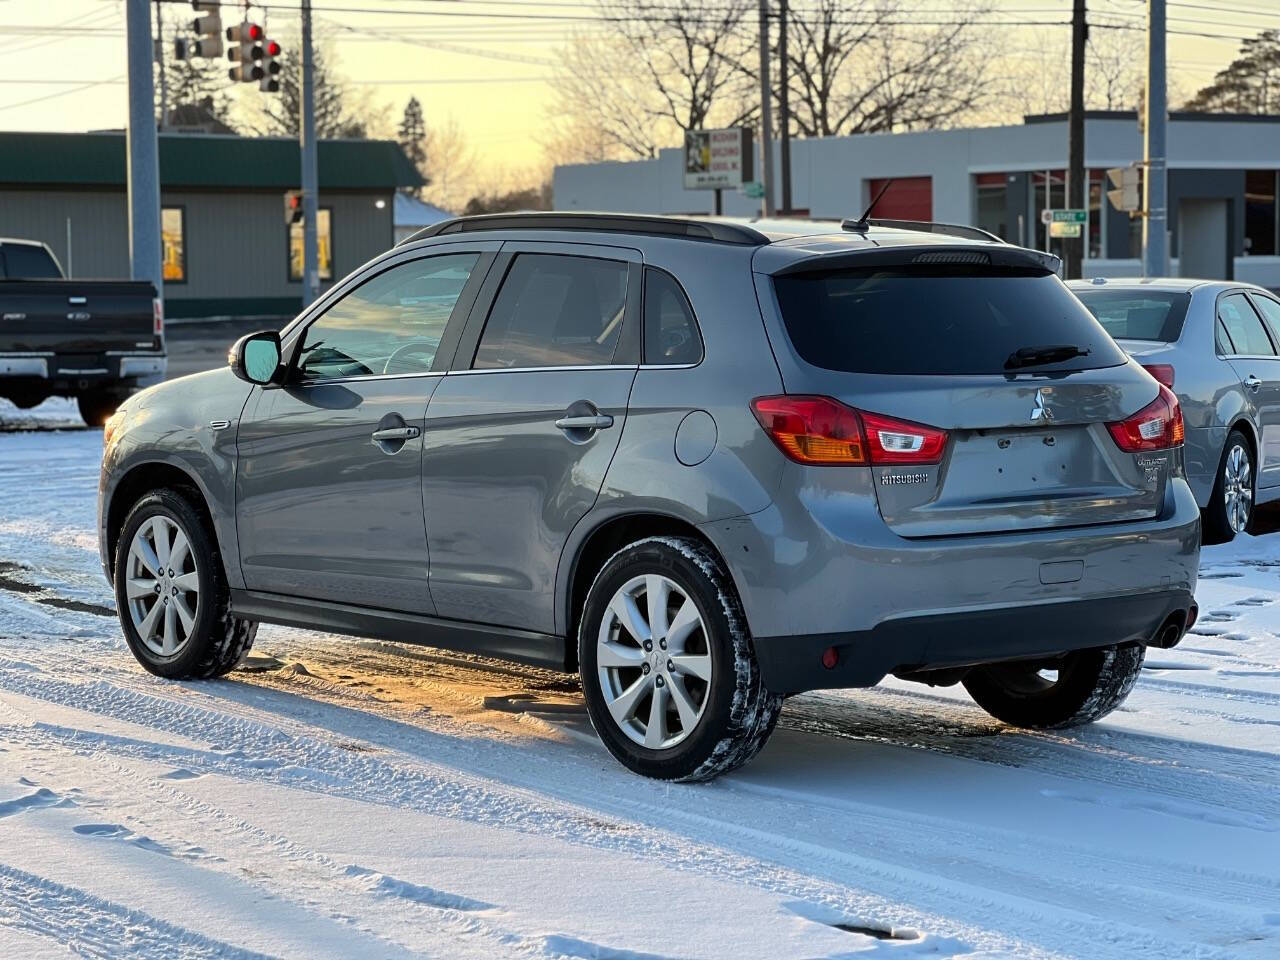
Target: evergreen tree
x,y
412,135
1249,84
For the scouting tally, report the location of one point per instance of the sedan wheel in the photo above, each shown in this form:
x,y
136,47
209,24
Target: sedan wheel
x,y
653,661
163,586
1237,488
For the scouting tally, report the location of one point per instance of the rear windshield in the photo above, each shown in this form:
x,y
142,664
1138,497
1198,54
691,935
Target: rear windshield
x,y
1148,315
20,261
936,320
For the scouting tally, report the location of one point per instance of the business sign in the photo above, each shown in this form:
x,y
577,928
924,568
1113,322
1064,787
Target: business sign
x,y
1065,230
717,159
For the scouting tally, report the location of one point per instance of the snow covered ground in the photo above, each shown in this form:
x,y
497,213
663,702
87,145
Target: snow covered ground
x,y
341,798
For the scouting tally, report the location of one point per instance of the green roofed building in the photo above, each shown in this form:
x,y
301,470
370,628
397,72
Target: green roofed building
x,y
227,247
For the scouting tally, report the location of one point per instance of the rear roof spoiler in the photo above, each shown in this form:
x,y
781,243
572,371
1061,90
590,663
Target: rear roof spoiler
x,y
928,254
962,231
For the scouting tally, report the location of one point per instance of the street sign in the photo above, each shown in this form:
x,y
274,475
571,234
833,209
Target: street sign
x,y
1126,195
1061,229
1064,216
715,159
753,189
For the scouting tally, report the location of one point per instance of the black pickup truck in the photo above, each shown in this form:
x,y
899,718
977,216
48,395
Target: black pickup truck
x,y
95,340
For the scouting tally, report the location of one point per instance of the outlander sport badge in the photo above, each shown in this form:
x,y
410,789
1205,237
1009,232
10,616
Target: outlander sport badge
x,y
1040,413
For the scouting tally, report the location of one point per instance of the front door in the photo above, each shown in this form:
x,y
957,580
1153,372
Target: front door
x,y
1253,356
520,433
328,497
1204,250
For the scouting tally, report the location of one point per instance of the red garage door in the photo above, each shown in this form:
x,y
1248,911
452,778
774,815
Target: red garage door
x,y
908,198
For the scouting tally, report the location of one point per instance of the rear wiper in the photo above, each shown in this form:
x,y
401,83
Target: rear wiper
x,y
1038,356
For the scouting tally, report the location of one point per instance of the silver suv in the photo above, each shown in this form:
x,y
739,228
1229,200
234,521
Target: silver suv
x,y
704,464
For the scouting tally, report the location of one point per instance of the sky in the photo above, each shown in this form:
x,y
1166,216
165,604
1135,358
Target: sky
x,y
483,63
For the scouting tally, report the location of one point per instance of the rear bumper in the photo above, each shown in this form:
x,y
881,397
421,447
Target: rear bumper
x,y
58,374
863,658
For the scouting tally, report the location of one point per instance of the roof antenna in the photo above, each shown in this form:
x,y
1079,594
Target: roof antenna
x,y
863,222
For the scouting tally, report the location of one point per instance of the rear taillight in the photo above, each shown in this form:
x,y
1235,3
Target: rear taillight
x,y
826,432
157,316
1163,372
1157,426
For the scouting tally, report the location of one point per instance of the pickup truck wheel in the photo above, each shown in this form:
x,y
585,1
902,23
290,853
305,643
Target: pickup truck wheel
x,y
171,594
1076,689
25,401
668,670
97,405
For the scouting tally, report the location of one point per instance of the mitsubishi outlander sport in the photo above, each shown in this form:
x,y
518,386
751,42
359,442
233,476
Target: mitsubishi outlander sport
x,y
705,464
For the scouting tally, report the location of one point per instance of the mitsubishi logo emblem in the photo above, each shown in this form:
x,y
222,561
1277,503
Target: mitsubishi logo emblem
x,y
1040,413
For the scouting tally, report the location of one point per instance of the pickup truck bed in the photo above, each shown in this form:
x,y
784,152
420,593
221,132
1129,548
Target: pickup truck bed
x,y
95,340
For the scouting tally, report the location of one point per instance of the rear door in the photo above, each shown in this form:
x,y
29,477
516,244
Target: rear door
x,y
328,495
520,433
1253,355
938,344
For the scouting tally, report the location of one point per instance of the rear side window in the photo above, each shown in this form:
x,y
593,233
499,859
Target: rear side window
x,y
936,320
670,331
1243,327
555,311
24,262
1269,309
1138,316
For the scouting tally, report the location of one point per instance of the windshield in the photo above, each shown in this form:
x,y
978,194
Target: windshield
x,y
1145,315
939,320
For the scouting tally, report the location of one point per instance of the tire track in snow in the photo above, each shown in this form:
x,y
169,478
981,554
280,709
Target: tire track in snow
x,y
1146,889
91,926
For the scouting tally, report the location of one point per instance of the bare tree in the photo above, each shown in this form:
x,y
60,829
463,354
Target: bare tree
x,y
1113,70
340,110
450,166
661,67
865,67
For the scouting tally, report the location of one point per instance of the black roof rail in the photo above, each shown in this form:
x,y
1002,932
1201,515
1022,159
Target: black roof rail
x,y
713,230
926,226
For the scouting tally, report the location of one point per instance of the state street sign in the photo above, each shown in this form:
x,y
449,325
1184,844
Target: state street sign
x,y
1064,216
717,159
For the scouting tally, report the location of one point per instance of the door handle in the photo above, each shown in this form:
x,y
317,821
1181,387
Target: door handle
x,y
600,421
1252,382
395,433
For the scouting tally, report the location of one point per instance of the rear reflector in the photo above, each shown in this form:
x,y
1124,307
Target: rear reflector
x,y
157,316
1157,426
826,432
1163,372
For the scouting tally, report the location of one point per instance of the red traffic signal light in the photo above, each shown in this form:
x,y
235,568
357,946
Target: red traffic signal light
x,y
255,32
273,48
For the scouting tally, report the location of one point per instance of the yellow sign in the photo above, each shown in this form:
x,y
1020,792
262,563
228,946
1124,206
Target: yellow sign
x,y
1065,230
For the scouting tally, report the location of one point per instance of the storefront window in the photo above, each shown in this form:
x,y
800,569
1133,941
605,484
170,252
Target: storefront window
x,y
173,240
1048,194
1260,213
324,240
992,199
1097,214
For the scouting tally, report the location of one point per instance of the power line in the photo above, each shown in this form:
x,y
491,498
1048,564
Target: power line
x,y
61,93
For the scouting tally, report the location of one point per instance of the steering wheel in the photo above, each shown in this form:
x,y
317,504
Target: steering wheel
x,y
408,350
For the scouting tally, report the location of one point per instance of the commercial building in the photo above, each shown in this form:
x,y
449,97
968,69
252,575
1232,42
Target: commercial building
x,y
228,249
1222,186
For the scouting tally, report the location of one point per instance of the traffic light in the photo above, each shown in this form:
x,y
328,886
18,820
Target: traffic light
x,y
270,82
245,52
1125,196
208,28
292,206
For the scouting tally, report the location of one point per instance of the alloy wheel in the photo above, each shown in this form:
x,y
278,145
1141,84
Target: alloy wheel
x,y
162,586
654,661
1237,488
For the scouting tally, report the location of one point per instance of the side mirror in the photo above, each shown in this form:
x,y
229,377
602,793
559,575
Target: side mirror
x,y
256,357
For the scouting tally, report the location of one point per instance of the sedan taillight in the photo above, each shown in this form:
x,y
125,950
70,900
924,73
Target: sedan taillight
x,y
825,432
1157,426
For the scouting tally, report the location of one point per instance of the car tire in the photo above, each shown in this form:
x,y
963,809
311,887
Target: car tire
x,y
97,405
194,635
714,693
1089,685
1222,519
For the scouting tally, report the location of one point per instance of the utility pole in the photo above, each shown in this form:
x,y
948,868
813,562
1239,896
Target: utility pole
x,y
784,105
766,115
1155,230
1076,176
307,144
142,149
164,83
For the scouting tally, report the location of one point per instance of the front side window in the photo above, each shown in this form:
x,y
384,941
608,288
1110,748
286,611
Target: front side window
x,y
1243,327
391,324
324,244
555,311
173,241
670,332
